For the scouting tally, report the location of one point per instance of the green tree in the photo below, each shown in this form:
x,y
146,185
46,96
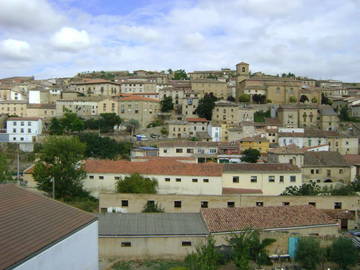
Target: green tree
x,y
343,253
314,100
56,127
5,174
244,98
260,116
231,99
344,114
325,100
240,244
304,99
206,257
250,155
306,189
206,106
292,99
132,125
72,123
107,121
104,147
166,104
308,253
258,252
136,183
152,207
259,99
59,159
180,74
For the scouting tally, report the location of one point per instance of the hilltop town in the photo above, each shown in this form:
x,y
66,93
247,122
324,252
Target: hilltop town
x,y
162,160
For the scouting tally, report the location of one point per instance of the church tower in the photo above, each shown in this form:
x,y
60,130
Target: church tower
x,y
242,73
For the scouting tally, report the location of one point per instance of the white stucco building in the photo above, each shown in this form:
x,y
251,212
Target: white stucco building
x,y
23,129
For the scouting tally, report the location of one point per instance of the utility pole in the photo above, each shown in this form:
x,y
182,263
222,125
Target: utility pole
x,y
53,187
18,165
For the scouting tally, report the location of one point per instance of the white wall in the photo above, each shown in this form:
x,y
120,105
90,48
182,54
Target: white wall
x,y
77,252
34,97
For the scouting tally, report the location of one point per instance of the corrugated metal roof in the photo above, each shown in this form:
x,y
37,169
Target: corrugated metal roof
x,y
151,224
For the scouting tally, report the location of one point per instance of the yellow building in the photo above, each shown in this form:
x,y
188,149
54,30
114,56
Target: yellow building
x,y
217,88
97,87
259,143
13,107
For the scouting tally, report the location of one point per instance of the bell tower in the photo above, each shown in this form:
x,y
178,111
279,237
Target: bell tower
x,y
242,73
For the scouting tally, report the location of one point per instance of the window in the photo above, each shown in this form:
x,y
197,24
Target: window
x,y
14,124
14,130
21,139
29,124
150,203
292,178
91,177
328,172
285,203
312,203
22,124
281,179
125,244
340,171
165,150
101,177
179,150
312,171
194,180
189,150
22,130
205,180
253,179
167,179
317,171
337,205
29,130
230,204
259,204
235,179
271,179
178,179
124,203
204,204
177,204
186,243
117,177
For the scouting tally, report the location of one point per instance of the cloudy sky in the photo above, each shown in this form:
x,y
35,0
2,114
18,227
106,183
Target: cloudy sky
x,y
54,38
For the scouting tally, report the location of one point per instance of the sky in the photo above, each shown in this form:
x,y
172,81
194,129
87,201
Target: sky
x,y
59,38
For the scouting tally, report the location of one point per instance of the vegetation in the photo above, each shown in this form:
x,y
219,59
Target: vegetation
x,y
260,116
250,155
180,74
206,257
259,99
314,100
292,99
136,183
247,247
304,99
59,161
288,75
310,189
343,253
166,104
105,123
132,125
68,124
5,174
104,147
164,131
156,123
149,265
206,106
325,100
231,99
152,207
244,98
308,253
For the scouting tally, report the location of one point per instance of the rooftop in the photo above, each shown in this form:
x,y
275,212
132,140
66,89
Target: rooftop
x,y
31,222
325,159
197,119
151,224
271,217
352,159
23,119
188,144
257,167
155,166
226,191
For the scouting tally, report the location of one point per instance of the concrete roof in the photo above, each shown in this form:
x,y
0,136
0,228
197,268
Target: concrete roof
x,y
135,224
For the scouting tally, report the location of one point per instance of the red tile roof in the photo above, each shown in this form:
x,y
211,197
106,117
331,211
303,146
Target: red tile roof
x,y
352,159
138,98
93,81
271,217
197,120
153,167
241,191
30,222
264,167
339,213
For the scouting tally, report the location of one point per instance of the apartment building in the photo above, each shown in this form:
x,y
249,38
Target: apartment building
x,y
138,86
259,143
23,129
232,113
82,106
218,88
97,87
188,149
145,110
13,107
41,110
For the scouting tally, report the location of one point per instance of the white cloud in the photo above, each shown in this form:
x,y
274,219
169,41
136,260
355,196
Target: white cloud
x,y
138,33
70,40
15,49
28,14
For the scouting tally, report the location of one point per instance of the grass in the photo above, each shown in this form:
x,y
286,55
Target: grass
x,y
89,205
149,265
